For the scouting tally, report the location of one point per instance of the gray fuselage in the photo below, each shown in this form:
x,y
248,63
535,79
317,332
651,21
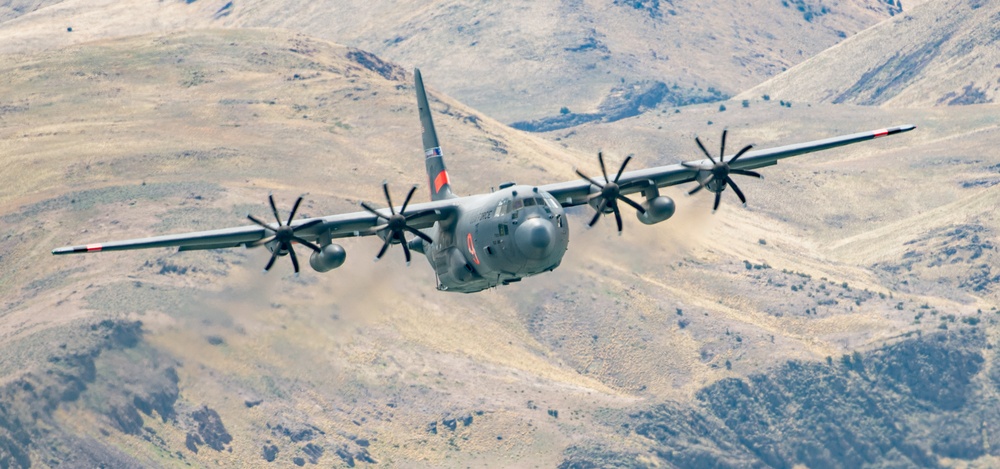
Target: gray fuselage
x,y
497,238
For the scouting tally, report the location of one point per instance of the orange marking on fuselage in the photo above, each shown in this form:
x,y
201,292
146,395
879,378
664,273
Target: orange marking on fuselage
x,y
472,249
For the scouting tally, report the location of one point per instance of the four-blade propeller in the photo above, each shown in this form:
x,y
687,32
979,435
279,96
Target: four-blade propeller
x,y
283,235
396,224
611,193
719,171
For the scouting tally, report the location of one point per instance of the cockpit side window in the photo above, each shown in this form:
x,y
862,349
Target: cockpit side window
x,y
551,201
502,208
541,203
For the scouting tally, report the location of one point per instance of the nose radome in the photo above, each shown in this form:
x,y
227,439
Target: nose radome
x,y
535,238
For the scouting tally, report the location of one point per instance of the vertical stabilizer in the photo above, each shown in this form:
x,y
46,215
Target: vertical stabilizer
x,y
434,160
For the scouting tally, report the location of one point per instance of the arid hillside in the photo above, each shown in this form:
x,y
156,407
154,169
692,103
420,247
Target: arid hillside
x,y
847,316
942,53
514,61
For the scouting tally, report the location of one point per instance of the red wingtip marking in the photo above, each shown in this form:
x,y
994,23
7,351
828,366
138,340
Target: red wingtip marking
x,y
440,181
881,133
94,247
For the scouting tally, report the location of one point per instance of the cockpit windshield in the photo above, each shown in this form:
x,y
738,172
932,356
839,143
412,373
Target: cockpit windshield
x,y
545,201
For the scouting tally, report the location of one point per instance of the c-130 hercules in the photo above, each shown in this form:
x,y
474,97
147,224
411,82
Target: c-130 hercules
x,y
481,241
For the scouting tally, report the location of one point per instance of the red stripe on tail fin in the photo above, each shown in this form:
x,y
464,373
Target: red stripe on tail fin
x,y
440,181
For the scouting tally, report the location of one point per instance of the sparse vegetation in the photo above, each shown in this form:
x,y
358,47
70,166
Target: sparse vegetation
x,y
262,349
738,421
626,100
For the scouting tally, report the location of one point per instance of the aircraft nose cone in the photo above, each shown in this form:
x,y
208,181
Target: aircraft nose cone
x,y
535,238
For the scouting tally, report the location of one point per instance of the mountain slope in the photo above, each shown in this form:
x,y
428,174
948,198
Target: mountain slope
x,y
940,53
630,353
515,61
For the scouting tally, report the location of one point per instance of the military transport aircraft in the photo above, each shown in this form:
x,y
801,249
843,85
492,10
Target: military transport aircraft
x,y
481,241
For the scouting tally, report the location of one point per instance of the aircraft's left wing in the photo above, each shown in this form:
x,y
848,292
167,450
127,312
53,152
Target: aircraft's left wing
x,y
580,191
419,216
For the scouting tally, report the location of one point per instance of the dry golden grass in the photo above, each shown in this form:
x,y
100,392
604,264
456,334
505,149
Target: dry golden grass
x,y
211,120
939,53
463,44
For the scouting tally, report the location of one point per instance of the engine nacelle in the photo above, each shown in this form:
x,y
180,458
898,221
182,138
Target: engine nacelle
x,y
657,209
328,258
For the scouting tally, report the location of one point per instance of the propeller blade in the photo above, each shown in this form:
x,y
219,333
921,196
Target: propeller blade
x,y
385,188
381,252
406,249
305,243
308,224
589,179
261,223
274,208
594,220
418,234
373,211
703,150
295,208
737,190
261,242
701,185
722,147
740,153
270,263
718,198
407,201
632,203
600,211
618,218
743,172
600,159
622,169
295,259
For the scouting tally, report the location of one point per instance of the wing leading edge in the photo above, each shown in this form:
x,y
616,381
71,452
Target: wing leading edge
x,y
579,192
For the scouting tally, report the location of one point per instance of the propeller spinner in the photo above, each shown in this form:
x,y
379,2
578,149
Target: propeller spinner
x,y
283,235
719,171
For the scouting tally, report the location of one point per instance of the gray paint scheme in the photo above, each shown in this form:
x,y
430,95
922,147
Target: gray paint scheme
x,y
437,174
483,240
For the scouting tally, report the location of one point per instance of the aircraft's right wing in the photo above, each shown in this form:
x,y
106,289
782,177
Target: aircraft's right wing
x,y
580,191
